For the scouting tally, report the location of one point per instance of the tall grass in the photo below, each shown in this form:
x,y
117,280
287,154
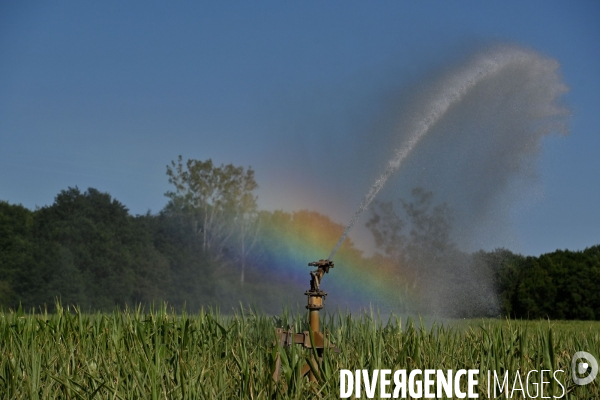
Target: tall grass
x,y
158,354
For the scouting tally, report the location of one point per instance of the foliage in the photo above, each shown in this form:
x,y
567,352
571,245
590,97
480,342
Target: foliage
x,y
16,247
210,246
561,285
87,249
219,202
418,240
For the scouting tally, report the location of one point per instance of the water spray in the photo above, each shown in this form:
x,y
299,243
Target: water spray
x,y
451,91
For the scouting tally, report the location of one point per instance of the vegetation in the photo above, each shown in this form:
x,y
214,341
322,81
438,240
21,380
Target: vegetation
x,y
559,285
137,354
211,246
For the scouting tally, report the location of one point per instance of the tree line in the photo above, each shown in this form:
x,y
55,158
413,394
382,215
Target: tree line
x,y
211,246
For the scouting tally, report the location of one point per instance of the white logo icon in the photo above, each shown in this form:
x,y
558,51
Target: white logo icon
x,y
582,368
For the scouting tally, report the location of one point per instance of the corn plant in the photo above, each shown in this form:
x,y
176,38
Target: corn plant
x,y
155,353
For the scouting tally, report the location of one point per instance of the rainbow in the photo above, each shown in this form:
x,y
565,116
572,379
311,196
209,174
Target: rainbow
x,y
355,282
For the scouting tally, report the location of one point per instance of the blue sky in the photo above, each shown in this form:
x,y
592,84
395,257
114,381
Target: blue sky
x,y
105,94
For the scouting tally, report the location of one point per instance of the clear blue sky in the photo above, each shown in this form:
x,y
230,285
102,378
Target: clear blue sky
x,y
104,94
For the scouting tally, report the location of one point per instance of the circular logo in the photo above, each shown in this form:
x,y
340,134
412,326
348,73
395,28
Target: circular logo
x,y
583,363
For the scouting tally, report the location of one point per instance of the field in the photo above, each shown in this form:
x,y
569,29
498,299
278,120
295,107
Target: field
x,y
158,354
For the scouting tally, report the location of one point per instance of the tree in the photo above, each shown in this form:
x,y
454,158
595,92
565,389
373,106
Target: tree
x,y
386,227
246,215
559,285
220,204
90,252
16,249
428,240
504,266
447,281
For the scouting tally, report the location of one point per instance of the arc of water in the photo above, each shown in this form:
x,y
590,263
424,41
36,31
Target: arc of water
x,y
454,88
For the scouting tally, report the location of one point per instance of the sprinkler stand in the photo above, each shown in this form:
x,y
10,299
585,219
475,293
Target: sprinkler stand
x,y
316,298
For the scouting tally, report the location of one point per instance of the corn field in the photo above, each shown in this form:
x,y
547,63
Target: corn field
x,y
160,354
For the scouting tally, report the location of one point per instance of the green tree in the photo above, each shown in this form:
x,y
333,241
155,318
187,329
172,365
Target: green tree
x,y
504,265
220,204
193,274
246,216
16,249
91,252
428,239
446,280
560,285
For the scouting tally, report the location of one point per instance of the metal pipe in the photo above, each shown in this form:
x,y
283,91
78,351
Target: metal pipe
x,y
315,303
313,318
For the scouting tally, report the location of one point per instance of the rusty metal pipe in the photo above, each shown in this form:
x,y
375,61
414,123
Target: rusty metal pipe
x,y
313,320
315,303
313,339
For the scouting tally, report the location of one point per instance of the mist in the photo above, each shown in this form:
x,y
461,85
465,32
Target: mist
x,y
483,124
470,131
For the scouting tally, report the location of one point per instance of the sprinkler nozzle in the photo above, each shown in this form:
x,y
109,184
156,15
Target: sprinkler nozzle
x,y
325,264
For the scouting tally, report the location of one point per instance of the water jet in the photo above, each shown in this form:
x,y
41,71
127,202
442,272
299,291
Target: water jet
x,y
540,117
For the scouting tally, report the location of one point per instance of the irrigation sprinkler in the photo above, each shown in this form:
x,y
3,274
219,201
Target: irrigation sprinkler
x,y
312,339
